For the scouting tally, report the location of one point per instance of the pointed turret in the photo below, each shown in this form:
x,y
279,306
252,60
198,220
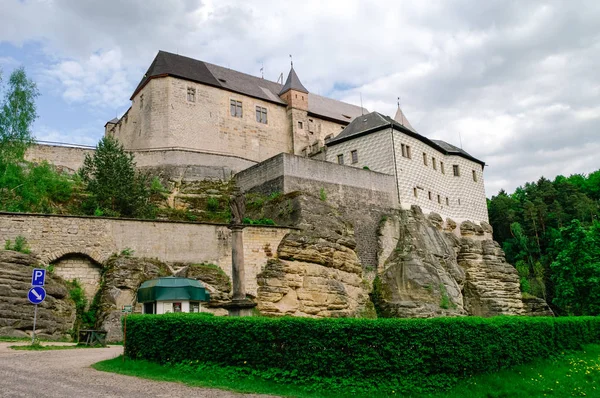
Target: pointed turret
x,y
294,93
293,83
401,118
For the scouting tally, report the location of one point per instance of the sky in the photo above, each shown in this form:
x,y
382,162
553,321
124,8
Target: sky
x,y
516,83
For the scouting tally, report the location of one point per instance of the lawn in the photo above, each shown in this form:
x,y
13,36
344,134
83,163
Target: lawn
x,y
575,373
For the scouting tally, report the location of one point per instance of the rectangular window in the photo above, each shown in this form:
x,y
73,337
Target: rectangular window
x,y
447,201
235,107
474,176
403,150
194,306
261,114
439,199
354,155
300,125
415,192
424,158
176,307
442,168
433,163
429,193
459,201
340,159
456,170
191,94
408,155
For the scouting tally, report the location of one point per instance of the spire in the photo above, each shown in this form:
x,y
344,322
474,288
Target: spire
x,y
293,83
401,118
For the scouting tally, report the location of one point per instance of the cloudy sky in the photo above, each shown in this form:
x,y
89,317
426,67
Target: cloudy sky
x,y
517,81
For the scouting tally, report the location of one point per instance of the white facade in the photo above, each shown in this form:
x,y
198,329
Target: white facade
x,y
431,185
165,307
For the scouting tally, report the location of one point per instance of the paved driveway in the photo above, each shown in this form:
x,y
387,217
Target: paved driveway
x,y
67,373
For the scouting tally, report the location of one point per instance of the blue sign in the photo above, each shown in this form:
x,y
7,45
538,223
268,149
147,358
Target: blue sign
x,y
38,277
36,294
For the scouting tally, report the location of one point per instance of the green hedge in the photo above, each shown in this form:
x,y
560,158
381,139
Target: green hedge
x,y
357,348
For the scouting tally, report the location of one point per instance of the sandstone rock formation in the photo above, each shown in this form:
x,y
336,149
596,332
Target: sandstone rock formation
x,y
56,314
316,271
418,272
427,268
122,277
214,279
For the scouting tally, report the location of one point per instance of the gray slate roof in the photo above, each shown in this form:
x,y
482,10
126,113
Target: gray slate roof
x,y
293,83
217,76
375,121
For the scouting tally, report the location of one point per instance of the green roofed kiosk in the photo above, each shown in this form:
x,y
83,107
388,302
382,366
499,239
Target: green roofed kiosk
x,y
171,294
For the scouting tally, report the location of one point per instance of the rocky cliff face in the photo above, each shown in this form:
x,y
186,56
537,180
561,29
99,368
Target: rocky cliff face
x,y
56,314
316,271
429,268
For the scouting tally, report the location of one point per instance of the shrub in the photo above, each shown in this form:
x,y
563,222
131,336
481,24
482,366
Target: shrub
x,y
428,352
212,204
20,245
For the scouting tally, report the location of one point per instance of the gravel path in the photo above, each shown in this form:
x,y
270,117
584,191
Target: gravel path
x,y
67,373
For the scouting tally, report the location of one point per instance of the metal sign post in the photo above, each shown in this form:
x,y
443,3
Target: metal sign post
x,y
127,309
36,294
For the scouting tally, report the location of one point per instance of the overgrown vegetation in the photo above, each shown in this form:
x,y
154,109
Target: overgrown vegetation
x,y
20,245
365,355
550,231
86,316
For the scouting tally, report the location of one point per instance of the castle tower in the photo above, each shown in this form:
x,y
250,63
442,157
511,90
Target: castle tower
x,y
296,97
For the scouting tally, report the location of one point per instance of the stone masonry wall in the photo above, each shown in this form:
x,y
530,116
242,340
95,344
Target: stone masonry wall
x,y
86,271
362,196
54,237
69,158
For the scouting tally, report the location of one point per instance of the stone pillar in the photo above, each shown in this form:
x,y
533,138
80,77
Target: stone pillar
x,y
238,274
239,305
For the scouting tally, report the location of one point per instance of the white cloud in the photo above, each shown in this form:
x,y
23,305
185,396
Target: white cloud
x,y
516,80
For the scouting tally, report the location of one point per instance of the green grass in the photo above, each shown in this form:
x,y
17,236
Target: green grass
x,y
569,374
8,339
39,347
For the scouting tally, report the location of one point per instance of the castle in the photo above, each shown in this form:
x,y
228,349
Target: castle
x,y
200,121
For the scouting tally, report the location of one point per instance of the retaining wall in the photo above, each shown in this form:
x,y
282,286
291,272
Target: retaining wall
x,y
55,237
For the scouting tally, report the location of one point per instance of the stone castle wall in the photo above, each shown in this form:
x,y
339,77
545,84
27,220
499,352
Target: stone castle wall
x,y
362,196
66,157
60,239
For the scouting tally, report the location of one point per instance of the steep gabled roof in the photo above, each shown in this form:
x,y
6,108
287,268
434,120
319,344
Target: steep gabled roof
x,y
168,64
293,83
375,121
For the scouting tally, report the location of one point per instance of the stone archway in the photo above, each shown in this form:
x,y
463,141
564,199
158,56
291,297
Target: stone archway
x,y
82,267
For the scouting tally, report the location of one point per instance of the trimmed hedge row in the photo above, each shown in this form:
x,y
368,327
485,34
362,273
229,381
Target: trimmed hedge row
x,y
357,348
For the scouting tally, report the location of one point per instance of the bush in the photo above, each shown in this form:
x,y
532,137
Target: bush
x,y
428,352
20,245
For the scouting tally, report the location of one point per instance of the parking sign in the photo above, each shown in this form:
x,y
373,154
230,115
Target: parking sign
x,y
38,277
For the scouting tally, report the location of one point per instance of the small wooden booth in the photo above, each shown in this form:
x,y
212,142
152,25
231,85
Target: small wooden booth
x,y
172,294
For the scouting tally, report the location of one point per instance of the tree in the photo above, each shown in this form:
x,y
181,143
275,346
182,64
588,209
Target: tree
x,y
116,188
17,114
576,270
